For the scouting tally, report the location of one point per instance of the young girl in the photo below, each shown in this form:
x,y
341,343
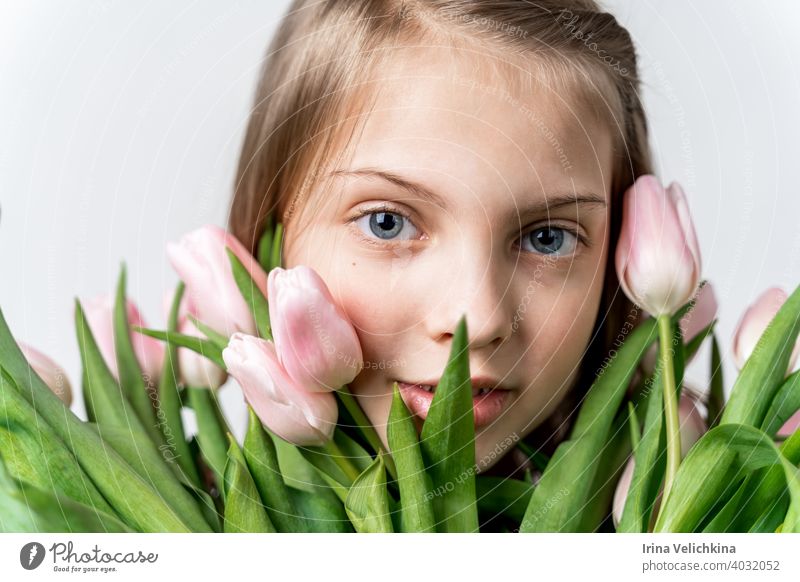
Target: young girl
x,y
448,158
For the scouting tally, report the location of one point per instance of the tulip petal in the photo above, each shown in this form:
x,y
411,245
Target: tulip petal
x,y
201,260
657,257
315,341
293,413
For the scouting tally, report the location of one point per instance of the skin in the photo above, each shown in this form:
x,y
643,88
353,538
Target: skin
x,y
487,151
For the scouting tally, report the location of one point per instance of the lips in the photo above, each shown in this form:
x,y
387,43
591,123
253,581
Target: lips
x,y
432,389
487,402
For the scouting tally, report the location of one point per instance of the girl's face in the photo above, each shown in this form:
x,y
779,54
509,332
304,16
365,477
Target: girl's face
x,y
465,197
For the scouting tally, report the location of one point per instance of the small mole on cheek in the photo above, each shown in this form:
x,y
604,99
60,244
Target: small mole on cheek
x,y
354,264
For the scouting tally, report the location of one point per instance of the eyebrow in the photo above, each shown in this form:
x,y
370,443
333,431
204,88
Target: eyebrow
x,y
551,202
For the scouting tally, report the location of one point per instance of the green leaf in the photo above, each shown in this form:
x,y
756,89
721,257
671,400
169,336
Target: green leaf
x,y
765,369
561,495
277,247
217,338
111,474
204,347
131,380
139,451
212,429
502,496
35,454
297,471
649,463
252,295
367,502
108,401
322,513
785,404
712,469
757,495
415,486
115,416
351,415
244,511
353,451
265,244
87,400
27,508
633,425
538,458
716,395
771,517
448,442
262,460
334,459
613,457
168,407
693,345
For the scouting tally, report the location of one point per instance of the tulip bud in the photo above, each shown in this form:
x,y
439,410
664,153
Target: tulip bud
x,y
201,261
692,427
289,410
657,258
316,343
621,492
753,324
51,373
149,351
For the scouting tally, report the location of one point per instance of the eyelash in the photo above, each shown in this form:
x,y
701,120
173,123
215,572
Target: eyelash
x,y
391,209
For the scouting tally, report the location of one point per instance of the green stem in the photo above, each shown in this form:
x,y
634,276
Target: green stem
x,y
670,404
340,459
366,428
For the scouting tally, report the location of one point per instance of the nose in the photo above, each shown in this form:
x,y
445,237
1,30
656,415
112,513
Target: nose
x,y
478,290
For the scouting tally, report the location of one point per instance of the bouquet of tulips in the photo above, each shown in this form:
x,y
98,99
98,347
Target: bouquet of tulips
x,y
643,446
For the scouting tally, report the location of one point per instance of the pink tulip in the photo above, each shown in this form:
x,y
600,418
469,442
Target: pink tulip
x,y
695,321
753,324
202,263
692,427
657,258
791,425
195,370
316,343
621,492
149,351
701,314
295,414
51,373
692,423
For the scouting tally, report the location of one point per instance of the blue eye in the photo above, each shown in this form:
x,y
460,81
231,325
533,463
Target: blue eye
x,y
387,225
551,240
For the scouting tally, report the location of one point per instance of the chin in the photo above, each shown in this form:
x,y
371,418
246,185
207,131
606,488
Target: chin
x,y
491,447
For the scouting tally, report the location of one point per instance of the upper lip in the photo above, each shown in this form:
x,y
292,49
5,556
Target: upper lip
x,y
478,382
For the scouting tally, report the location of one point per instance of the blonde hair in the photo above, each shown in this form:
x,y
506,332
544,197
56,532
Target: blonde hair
x,y
317,65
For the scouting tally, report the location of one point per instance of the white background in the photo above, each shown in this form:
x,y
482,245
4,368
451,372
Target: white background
x,y
121,123
553,556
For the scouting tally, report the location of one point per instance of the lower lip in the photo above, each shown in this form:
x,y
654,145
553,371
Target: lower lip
x,y
486,407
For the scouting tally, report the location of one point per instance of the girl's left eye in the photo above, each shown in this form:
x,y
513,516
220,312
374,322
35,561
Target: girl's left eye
x,y
386,225
550,240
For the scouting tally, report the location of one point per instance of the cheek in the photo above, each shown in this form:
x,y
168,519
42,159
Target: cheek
x,y
559,328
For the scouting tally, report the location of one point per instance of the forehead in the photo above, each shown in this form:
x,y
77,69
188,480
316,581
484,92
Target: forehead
x,y
467,120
